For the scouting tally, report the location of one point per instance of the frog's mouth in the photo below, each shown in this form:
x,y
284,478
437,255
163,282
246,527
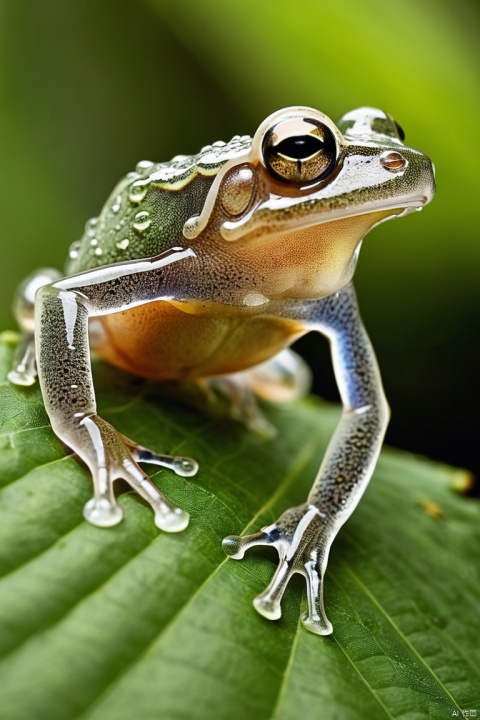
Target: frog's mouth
x,y
363,187
278,216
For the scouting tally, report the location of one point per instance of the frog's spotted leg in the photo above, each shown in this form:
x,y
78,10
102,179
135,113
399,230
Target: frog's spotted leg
x,y
62,311
303,535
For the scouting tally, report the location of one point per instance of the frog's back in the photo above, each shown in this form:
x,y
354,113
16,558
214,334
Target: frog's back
x,y
147,210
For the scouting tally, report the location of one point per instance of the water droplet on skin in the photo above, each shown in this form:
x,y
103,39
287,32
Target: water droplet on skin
x,y
74,248
98,251
143,165
90,224
252,299
138,191
117,204
142,221
123,244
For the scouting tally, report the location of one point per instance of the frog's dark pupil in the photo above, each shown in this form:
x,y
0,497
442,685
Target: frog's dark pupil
x,y
299,147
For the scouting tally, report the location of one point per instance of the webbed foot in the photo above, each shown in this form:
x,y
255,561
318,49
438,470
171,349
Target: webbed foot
x,y
114,456
302,538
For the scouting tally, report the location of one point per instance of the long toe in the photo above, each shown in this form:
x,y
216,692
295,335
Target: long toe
x,y
317,624
173,520
102,512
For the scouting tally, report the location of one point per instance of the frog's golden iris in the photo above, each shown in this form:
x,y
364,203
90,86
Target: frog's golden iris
x,y
300,150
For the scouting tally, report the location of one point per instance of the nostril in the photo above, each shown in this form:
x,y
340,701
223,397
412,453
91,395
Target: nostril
x,y
393,161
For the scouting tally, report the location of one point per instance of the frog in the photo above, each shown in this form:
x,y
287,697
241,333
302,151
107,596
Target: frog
x,y
206,269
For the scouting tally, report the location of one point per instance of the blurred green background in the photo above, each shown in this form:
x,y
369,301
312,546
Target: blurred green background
x,y
90,87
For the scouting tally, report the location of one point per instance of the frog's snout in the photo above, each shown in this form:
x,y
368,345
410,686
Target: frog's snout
x,y
423,180
432,184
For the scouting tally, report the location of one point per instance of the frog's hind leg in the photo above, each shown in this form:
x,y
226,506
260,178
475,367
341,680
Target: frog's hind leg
x,y
24,371
283,378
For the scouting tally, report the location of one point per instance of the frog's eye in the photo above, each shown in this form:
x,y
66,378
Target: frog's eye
x,y
299,150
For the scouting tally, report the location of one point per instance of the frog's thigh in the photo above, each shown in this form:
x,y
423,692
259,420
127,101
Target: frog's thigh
x,y
24,300
24,369
283,378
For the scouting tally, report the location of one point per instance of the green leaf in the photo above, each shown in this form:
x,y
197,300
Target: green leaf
x,y
131,622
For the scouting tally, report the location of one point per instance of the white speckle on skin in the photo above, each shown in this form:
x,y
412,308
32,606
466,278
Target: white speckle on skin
x,y
117,204
143,165
252,299
123,244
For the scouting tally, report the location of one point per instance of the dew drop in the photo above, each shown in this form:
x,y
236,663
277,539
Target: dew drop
x,y
142,221
74,248
252,299
143,165
90,225
117,204
123,244
138,191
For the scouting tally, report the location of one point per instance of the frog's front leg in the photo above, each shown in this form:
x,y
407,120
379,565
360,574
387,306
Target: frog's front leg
x,y
62,311
303,535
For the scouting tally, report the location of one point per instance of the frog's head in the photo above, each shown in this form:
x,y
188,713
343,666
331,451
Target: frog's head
x,y
303,171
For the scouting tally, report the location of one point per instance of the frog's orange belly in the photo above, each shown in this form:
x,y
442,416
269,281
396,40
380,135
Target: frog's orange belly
x,y
161,341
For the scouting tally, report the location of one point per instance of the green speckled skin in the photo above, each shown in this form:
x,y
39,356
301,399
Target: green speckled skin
x,y
176,192
213,264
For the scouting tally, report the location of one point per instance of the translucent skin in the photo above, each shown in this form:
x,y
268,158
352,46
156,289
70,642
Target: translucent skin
x,y
212,264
